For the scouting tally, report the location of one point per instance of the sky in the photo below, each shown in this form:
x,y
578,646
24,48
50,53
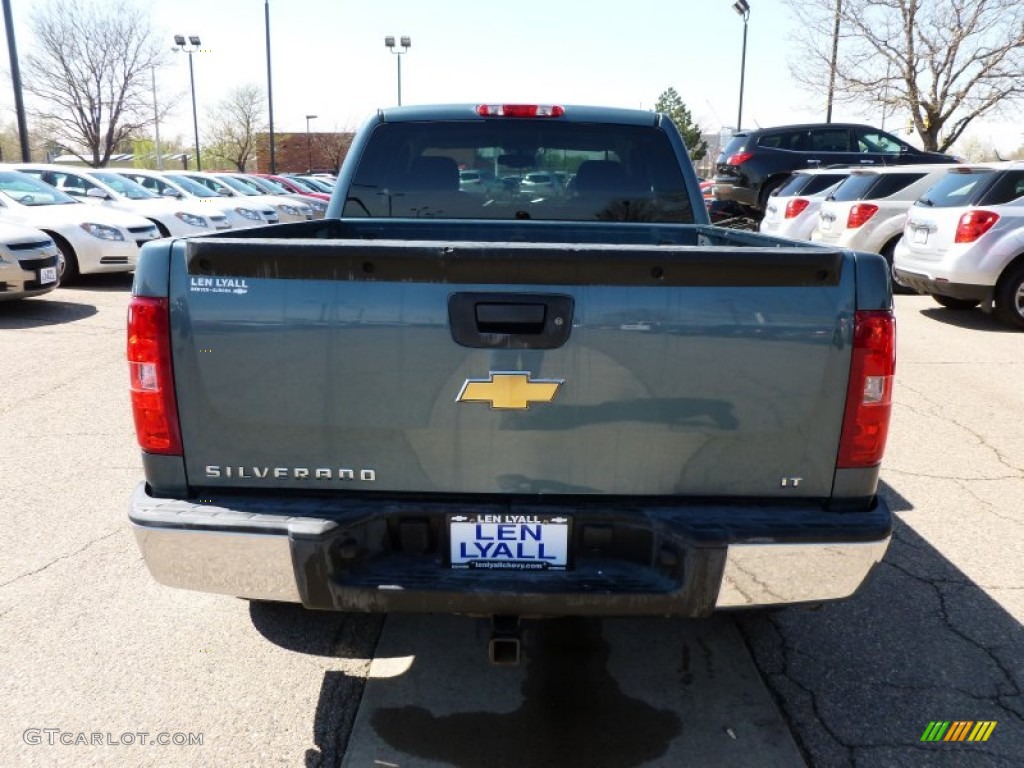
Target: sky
x,y
329,59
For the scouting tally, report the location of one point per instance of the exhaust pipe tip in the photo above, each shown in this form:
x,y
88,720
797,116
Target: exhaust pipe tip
x,y
504,651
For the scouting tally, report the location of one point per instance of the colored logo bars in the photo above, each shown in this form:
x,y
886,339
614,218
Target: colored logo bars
x,y
958,730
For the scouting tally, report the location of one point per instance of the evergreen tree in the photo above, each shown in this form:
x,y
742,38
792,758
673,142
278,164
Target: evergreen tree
x,y
672,105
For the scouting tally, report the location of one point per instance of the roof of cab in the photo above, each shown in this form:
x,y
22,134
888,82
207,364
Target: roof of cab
x,y
573,113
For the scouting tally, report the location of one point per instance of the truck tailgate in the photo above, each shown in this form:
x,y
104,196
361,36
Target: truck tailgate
x,y
511,368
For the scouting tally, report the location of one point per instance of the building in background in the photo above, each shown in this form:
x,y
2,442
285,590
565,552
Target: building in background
x,y
294,151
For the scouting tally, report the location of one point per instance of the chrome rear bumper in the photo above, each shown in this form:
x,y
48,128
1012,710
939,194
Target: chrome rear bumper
x,y
297,555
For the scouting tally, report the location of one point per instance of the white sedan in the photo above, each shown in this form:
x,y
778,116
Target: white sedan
x,y
28,262
240,216
106,188
226,183
90,238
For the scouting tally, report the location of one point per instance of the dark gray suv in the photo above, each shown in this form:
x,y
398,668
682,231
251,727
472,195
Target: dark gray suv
x,y
754,163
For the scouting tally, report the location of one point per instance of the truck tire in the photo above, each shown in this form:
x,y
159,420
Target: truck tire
x,y
958,304
1009,306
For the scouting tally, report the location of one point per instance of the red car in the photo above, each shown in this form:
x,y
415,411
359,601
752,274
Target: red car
x,y
295,185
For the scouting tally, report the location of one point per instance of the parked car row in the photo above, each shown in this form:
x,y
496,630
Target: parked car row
x,y
92,220
953,231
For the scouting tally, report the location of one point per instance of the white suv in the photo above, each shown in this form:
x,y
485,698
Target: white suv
x,y
866,211
792,209
963,242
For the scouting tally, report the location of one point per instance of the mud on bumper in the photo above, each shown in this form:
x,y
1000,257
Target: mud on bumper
x,y
632,557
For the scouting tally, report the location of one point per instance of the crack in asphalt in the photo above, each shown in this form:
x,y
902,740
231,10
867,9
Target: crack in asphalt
x,y
949,624
780,701
56,560
954,478
787,651
978,437
988,504
776,662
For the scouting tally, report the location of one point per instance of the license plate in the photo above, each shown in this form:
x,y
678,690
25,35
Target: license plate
x,y
48,275
921,236
509,542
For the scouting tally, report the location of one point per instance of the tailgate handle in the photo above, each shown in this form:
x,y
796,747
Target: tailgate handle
x,y
510,320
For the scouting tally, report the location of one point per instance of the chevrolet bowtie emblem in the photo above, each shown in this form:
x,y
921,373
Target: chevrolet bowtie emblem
x,y
512,390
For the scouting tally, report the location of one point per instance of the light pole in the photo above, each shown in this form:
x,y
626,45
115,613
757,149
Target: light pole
x,y
270,89
19,104
309,144
742,7
156,123
406,43
179,42
832,63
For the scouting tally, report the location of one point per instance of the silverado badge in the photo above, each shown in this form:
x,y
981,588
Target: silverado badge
x,y
509,390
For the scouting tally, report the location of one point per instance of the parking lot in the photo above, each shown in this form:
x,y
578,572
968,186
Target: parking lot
x,y
96,654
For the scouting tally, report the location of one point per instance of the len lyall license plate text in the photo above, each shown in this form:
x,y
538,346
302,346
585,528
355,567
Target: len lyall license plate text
x,y
509,542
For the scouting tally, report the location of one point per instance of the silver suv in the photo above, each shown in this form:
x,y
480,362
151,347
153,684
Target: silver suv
x,y
867,210
963,241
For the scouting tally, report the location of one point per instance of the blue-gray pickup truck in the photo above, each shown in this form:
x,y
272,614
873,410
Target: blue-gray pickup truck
x,y
557,392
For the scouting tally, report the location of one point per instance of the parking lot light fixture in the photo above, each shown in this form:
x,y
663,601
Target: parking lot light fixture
x,y
405,42
742,7
190,48
309,144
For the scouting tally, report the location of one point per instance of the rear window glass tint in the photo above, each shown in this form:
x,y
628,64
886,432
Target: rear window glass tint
x,y
821,182
794,185
736,144
854,187
957,189
1009,186
809,183
889,184
874,186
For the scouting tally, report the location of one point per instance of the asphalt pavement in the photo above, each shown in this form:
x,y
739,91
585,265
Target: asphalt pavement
x,y
96,658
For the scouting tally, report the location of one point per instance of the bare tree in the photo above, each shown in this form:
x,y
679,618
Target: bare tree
x,y
332,147
234,124
89,72
947,62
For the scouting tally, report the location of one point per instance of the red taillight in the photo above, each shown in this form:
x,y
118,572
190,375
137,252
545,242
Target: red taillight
x,y
869,395
860,213
739,158
152,383
973,225
520,110
795,207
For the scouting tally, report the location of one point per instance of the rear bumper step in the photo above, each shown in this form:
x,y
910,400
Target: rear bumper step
x,y
630,558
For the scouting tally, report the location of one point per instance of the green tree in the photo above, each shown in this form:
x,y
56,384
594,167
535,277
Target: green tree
x,y
671,104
